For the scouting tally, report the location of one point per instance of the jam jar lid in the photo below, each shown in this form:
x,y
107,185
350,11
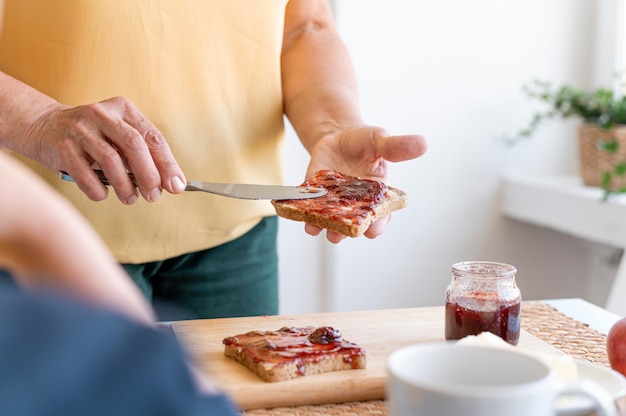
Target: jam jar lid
x,y
484,269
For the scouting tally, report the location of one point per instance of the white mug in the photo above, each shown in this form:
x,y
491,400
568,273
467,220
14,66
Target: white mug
x,y
445,379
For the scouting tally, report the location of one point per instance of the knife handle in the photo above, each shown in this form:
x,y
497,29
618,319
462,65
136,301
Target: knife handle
x,y
66,177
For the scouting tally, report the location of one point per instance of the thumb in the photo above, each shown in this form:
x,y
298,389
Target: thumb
x,y
402,147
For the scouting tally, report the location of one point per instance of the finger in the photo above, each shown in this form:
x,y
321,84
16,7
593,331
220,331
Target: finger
x,y
312,229
334,237
139,160
131,145
331,236
377,228
402,147
125,189
171,175
81,169
86,180
112,164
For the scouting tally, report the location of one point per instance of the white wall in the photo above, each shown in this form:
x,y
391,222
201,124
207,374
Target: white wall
x,y
451,70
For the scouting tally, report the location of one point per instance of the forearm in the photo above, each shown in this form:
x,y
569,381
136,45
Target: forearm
x,y
319,84
47,245
67,259
21,107
89,278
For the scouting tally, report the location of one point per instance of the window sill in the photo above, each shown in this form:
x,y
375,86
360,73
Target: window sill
x,y
562,203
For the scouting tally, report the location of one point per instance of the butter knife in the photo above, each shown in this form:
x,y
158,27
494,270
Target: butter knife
x,y
233,190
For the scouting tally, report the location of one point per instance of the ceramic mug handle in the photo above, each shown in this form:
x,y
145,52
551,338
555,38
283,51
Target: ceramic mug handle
x,y
604,404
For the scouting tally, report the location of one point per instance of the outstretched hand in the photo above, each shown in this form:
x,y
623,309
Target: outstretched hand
x,y
362,151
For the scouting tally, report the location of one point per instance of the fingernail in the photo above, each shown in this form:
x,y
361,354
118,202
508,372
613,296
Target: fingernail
x,y
154,195
177,184
132,200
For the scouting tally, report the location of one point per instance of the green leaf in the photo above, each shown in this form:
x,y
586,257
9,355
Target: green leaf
x,y
620,169
610,146
598,107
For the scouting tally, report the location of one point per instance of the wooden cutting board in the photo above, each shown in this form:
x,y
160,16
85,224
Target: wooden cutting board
x,y
380,332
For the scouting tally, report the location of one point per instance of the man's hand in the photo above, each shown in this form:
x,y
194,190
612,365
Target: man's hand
x,y
114,136
362,151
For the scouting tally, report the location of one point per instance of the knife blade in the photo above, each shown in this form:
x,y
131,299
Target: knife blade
x,y
233,190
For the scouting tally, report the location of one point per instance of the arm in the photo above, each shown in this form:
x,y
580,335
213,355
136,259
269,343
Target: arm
x,y
321,101
47,245
319,83
111,134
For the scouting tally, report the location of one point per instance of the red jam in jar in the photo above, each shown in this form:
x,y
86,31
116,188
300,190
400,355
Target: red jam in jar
x,y
483,297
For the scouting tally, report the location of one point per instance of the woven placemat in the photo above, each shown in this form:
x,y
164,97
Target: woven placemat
x,y
539,319
566,334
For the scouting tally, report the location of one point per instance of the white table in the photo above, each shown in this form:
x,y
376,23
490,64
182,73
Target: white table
x,y
595,316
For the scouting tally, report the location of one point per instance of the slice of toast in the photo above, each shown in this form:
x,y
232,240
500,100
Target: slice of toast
x,y
294,352
351,205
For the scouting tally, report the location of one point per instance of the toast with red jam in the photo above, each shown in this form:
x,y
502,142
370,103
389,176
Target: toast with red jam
x,y
294,352
351,205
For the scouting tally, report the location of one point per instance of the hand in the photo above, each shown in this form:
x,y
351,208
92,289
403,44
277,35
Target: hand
x,y
362,151
111,135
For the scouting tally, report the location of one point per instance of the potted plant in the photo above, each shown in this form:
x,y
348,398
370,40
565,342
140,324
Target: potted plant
x,y
602,135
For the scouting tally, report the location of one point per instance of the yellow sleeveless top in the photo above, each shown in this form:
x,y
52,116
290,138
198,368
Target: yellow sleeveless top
x,y
205,72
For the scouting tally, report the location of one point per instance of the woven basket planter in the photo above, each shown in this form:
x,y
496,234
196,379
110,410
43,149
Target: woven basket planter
x,y
594,161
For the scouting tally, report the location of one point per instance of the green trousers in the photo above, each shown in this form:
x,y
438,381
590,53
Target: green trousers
x,y
239,278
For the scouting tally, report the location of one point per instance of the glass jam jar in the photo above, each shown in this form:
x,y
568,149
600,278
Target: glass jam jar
x,y
481,297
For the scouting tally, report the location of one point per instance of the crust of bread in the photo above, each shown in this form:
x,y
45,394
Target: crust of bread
x,y
397,199
296,368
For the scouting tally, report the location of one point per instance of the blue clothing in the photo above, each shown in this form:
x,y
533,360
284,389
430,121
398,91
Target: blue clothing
x,y
60,357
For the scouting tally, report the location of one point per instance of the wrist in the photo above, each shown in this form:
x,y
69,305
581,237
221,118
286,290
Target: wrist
x,y
22,107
